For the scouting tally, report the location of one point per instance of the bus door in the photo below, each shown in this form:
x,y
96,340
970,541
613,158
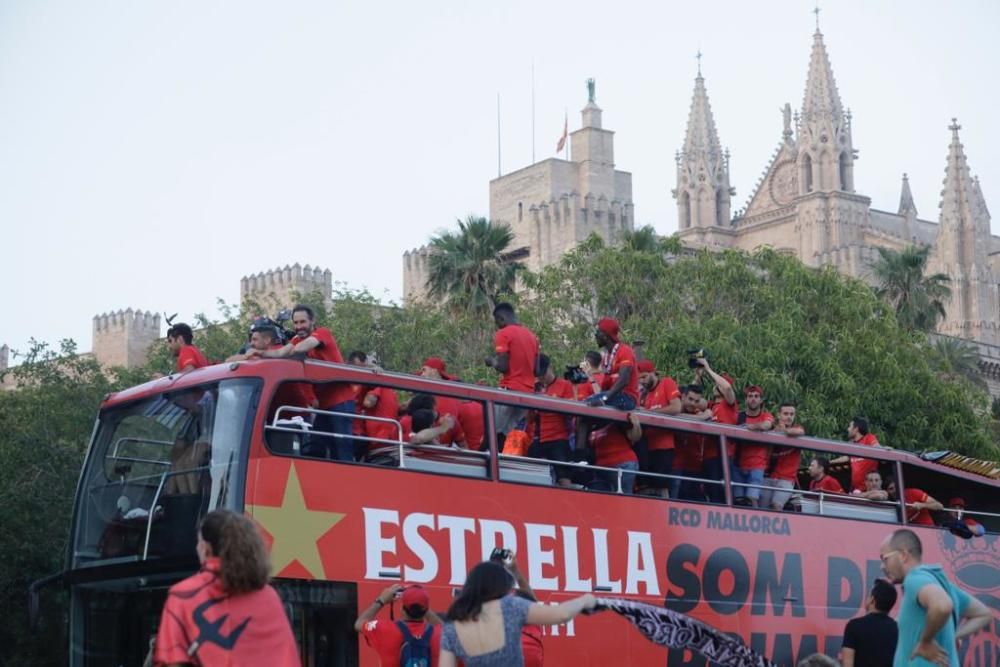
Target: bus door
x,y
322,615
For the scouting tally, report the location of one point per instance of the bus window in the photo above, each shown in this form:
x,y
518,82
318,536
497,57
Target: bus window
x,y
156,466
826,490
425,431
934,497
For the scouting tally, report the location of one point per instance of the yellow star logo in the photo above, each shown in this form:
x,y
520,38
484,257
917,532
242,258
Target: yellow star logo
x,y
295,529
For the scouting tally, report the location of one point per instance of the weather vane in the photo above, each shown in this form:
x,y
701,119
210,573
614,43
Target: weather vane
x,y
816,12
698,57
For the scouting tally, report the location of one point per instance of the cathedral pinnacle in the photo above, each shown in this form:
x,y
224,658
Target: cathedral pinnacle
x,y
959,198
906,204
821,96
702,138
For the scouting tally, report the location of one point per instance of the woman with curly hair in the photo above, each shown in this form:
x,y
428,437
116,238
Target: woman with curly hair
x,y
226,614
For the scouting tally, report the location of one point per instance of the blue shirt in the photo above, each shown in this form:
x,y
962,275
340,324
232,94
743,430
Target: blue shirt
x,y
912,616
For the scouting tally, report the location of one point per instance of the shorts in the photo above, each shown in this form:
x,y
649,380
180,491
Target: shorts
x,y
744,476
556,450
779,494
661,461
508,417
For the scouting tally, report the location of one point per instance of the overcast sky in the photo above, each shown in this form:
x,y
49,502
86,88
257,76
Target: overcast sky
x,y
153,152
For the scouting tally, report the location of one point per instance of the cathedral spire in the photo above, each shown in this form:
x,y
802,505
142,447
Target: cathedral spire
x,y
961,199
906,204
821,96
703,191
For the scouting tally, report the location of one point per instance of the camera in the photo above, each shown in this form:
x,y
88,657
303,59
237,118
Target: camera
x,y
575,375
275,326
502,556
694,355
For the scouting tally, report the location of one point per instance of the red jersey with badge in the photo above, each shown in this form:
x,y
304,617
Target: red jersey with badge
x,y
521,348
387,639
552,426
620,356
752,455
202,625
612,446
335,393
860,467
786,464
190,355
663,393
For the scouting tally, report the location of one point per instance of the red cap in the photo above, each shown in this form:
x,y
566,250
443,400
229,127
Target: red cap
x,y
416,596
958,500
437,364
646,366
755,388
610,327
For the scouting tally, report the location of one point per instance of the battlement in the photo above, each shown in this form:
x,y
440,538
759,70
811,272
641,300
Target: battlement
x,y
4,357
280,284
123,337
416,269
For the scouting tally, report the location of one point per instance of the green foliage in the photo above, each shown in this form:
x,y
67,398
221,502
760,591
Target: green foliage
x,y
918,299
472,268
45,425
957,360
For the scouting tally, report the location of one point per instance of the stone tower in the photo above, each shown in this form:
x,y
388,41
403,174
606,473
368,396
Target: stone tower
x,y
961,251
4,357
703,192
908,211
276,289
123,338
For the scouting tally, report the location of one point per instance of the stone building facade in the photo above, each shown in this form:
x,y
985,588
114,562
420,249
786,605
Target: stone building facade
x,y
806,204
123,338
276,288
553,205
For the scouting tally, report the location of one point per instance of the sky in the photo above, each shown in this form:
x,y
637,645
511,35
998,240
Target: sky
x,y
153,153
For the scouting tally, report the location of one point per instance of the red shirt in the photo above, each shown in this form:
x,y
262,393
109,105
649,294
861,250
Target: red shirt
x,y
662,394
828,484
920,517
752,455
552,425
861,467
521,348
254,624
190,355
386,638
612,446
723,413
470,416
623,356
585,390
386,407
335,393
531,646
786,465
446,405
689,455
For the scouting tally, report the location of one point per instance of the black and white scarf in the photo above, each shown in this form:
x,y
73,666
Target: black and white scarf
x,y
679,631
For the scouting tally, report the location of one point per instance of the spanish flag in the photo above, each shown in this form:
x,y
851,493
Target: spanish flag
x,y
565,133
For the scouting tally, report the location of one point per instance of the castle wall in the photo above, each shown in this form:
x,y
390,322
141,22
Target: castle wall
x,y
277,289
123,338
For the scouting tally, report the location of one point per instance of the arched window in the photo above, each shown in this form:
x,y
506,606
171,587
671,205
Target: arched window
x,y
684,214
520,211
844,166
807,173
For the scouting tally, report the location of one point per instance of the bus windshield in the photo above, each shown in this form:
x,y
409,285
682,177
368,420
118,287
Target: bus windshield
x,y
156,466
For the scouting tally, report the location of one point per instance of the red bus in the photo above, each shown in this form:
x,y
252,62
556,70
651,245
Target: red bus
x,y
164,453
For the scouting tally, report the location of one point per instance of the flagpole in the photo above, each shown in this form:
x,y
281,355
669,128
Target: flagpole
x,y
499,168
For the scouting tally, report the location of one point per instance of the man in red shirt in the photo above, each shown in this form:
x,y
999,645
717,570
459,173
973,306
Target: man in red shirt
x,y
591,367
753,456
264,336
552,428
819,471
858,433
689,454
516,359
444,427
434,368
919,504
784,469
659,395
722,409
473,422
387,637
621,381
179,342
318,343
612,445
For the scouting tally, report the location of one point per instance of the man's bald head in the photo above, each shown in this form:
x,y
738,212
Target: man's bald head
x,y
905,539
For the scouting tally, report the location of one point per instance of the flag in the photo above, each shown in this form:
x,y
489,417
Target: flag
x,y
562,139
675,630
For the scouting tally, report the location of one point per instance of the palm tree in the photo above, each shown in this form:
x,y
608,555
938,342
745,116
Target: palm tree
x,y
473,267
918,299
955,358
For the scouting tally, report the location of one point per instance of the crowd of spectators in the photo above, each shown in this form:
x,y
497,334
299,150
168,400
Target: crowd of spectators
x,y
686,465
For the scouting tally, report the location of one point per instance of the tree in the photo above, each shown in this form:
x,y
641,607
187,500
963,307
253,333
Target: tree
x,y
470,269
957,359
918,299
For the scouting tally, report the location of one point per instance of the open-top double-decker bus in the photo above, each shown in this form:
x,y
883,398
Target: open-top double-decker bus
x,y
165,453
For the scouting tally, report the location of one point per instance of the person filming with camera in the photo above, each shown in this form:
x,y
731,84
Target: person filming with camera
x,y
416,636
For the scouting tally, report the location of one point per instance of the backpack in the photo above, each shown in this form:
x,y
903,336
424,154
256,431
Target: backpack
x,y
415,651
